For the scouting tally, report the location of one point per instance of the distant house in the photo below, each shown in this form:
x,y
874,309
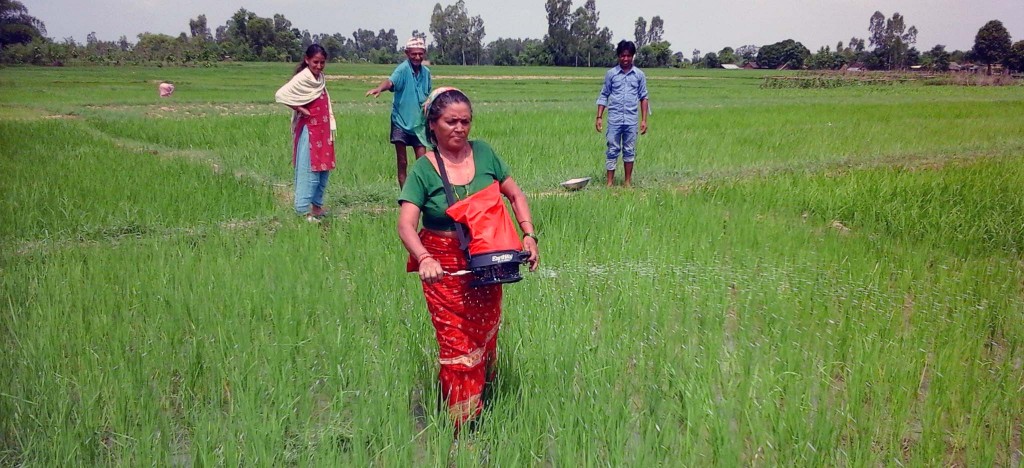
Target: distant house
x,y
953,66
751,66
730,66
854,67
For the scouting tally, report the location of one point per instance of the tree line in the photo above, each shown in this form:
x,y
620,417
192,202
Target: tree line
x,y
574,38
890,45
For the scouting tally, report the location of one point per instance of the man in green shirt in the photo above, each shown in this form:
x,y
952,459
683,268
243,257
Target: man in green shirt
x,y
411,84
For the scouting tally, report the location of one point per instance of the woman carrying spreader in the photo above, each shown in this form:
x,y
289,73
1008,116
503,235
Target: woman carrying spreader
x,y
466,318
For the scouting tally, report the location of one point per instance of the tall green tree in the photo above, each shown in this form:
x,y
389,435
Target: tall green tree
x,y
747,53
365,41
287,39
937,58
876,28
198,28
473,52
333,44
788,52
649,41
591,43
891,39
582,30
992,43
17,26
159,47
825,59
727,55
535,53
234,38
902,40
856,45
440,29
504,52
640,32
656,30
558,40
657,54
247,36
711,60
260,35
1015,60
458,37
387,40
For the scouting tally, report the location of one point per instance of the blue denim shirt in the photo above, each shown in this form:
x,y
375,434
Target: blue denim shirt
x,y
411,91
621,95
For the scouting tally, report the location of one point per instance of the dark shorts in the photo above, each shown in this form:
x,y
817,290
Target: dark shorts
x,y
402,137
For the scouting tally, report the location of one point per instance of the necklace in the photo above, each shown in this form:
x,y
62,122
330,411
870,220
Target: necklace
x,y
450,160
448,163
455,188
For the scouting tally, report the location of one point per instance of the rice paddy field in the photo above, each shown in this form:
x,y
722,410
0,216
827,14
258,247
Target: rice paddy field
x,y
799,277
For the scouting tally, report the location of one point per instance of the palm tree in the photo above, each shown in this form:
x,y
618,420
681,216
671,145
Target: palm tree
x,y
16,25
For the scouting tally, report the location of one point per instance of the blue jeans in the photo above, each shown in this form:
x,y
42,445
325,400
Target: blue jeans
x,y
309,185
621,138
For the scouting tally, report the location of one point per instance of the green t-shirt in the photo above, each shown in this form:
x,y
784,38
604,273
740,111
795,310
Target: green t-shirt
x,y
424,188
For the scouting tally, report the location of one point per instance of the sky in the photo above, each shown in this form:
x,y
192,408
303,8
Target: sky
x,y
705,25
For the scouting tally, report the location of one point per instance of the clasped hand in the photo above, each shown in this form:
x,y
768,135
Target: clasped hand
x,y
530,244
430,270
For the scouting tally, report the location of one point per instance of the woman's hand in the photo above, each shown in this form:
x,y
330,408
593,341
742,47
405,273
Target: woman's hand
x,y
302,110
430,270
530,244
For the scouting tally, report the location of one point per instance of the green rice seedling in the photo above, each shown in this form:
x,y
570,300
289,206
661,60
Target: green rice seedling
x,y
102,192
775,291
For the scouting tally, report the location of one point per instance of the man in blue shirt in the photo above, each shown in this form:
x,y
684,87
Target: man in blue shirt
x,y
411,84
624,87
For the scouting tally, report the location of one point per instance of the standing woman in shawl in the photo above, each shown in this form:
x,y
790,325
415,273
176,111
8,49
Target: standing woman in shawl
x,y
313,130
465,318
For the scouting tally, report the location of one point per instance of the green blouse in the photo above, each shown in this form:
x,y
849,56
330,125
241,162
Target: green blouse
x,y
424,188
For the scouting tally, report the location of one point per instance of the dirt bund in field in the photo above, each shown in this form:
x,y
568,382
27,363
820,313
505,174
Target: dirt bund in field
x,y
193,109
462,77
507,77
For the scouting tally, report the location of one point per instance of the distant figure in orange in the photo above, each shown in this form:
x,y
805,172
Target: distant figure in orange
x,y
166,89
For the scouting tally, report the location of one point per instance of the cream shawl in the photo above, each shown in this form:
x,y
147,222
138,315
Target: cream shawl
x,y
302,89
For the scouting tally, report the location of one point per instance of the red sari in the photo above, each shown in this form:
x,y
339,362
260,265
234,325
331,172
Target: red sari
x,y
321,144
466,320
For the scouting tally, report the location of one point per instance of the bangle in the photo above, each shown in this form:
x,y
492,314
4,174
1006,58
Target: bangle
x,y
599,117
525,221
531,235
423,256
